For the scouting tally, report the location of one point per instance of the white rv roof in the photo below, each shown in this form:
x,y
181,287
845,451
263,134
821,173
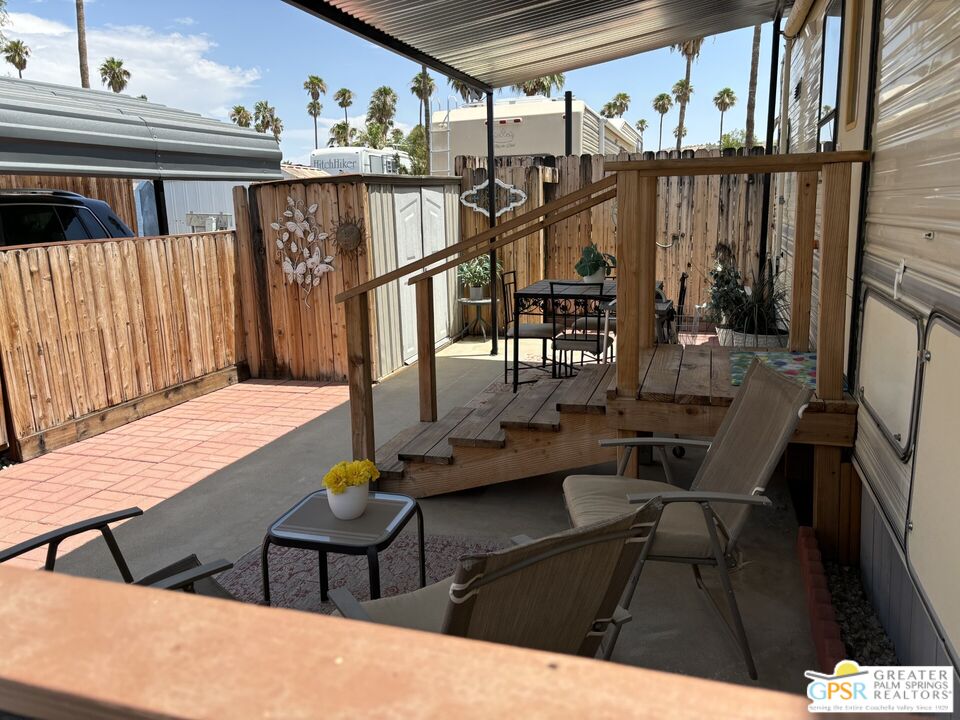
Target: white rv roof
x,y
516,107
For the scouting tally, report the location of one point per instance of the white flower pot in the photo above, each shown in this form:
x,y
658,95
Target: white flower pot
x,y
598,277
749,340
351,503
476,293
725,336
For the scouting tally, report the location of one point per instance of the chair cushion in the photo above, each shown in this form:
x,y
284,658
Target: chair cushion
x,y
533,330
593,323
681,533
422,609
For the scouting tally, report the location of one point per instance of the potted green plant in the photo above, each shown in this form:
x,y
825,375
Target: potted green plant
x,y
593,265
727,294
475,274
348,487
757,320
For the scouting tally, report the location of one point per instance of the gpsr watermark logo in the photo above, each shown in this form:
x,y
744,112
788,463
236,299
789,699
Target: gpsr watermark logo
x,y
881,688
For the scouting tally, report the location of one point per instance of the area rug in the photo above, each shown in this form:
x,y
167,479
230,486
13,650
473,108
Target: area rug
x,y
799,366
295,580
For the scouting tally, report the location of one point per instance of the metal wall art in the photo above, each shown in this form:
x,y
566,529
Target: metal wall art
x,y
348,236
301,246
476,198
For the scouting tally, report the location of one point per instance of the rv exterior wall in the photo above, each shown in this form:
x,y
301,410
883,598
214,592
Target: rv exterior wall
x,y
352,161
192,204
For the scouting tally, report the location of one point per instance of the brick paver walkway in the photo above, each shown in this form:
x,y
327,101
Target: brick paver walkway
x,y
149,460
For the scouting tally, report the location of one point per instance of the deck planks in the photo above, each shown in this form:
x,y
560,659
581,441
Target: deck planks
x,y
578,392
694,381
431,445
529,402
660,383
722,390
482,428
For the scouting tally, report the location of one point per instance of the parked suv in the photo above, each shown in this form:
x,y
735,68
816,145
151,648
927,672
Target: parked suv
x,y
45,216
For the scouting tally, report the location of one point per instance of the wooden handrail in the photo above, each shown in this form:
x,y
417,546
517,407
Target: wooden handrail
x,y
790,162
530,216
513,237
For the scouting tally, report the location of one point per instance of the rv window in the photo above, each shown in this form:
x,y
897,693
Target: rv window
x,y
830,78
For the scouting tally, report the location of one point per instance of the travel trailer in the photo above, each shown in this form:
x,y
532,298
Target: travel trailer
x,y
353,160
525,126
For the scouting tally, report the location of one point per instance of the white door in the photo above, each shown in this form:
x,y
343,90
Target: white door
x,y
408,217
434,239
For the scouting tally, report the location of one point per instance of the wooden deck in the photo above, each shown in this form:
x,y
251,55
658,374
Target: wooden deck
x,y
554,424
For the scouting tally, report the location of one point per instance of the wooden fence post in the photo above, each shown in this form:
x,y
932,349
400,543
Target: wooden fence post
x,y
426,351
629,234
357,311
806,221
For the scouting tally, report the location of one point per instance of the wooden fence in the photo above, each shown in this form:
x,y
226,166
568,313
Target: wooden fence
x,y
694,215
95,334
116,192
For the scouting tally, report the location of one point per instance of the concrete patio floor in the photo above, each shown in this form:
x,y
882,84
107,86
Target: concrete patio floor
x,y
226,513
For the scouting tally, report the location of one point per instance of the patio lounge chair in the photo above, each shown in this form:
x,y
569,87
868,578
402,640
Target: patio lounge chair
x,y
701,526
560,593
187,574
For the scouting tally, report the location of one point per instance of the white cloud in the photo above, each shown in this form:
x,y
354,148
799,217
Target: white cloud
x,y
188,21
169,68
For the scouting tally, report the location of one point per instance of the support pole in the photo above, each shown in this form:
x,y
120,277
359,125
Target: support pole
x,y
771,115
492,214
568,123
160,200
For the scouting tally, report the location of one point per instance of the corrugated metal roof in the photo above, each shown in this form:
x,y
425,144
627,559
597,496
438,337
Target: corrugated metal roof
x,y
47,128
495,43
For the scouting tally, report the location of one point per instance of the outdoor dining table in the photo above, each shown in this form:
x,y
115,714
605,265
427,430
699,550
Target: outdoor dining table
x,y
534,298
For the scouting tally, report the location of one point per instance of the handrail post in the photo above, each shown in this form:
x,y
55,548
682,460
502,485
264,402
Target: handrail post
x,y
426,351
357,316
833,280
806,221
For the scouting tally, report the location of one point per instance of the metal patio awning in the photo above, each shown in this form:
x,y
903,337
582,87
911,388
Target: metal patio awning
x,y
495,43
50,129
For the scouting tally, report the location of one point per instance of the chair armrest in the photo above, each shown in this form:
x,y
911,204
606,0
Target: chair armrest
x,y
654,442
55,537
185,580
348,605
521,539
699,496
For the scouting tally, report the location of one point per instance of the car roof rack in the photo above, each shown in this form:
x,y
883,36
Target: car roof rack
x,y
40,191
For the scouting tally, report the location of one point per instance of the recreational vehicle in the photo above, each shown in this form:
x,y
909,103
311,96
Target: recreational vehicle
x,y
526,126
355,160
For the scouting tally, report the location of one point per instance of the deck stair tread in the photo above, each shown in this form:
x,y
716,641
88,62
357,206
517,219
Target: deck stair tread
x,y
660,382
694,378
482,428
430,445
580,391
527,410
388,462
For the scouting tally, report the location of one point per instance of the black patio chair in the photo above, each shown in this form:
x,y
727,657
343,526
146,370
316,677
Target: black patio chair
x,y
187,574
580,325
541,330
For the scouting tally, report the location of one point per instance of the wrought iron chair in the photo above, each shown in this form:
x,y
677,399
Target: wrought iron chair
x,y
542,330
579,325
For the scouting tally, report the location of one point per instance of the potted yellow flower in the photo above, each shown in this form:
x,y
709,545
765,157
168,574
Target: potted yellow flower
x,y
348,487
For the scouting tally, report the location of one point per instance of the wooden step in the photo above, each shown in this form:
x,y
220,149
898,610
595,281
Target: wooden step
x,y
388,462
587,392
482,429
532,408
431,444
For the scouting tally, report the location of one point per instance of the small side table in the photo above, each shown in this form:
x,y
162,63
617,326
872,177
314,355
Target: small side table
x,y
310,525
477,319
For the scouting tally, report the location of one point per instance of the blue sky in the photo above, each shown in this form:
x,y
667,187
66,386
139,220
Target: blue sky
x,y
207,55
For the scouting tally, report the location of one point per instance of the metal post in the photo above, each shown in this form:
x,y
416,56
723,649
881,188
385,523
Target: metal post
x,y
568,123
159,199
492,213
771,115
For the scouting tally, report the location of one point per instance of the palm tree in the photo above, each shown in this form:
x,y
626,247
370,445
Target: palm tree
x,y
752,92
341,134
315,86
679,132
82,45
682,91
114,74
724,100
344,99
373,135
662,104
265,119
276,127
690,49
396,137
382,107
314,108
467,93
241,116
423,87
641,127
617,106
542,85
16,53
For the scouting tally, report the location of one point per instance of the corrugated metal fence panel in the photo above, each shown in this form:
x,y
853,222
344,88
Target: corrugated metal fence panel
x,y
452,207
186,198
383,236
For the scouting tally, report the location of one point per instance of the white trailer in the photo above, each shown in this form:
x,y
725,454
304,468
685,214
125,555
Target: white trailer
x,y
354,160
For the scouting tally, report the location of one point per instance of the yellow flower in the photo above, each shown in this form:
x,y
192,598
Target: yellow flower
x,y
349,474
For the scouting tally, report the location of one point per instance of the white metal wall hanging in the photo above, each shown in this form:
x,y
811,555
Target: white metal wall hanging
x,y
476,197
301,246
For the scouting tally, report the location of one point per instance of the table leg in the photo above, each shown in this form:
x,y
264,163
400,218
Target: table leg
x,y
264,568
324,582
373,561
423,556
516,344
482,324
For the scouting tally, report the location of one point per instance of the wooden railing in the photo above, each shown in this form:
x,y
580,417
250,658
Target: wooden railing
x,y
357,305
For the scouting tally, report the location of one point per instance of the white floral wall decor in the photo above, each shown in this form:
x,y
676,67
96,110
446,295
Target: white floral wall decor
x,y
301,246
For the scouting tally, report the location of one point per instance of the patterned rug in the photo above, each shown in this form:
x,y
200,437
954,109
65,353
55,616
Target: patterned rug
x,y
294,574
799,366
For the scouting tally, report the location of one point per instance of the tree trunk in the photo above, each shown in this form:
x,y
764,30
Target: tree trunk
x,y
426,125
316,140
752,92
82,45
660,145
683,107
721,132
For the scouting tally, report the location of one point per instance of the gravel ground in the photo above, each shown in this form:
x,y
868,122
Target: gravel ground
x,y
860,628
